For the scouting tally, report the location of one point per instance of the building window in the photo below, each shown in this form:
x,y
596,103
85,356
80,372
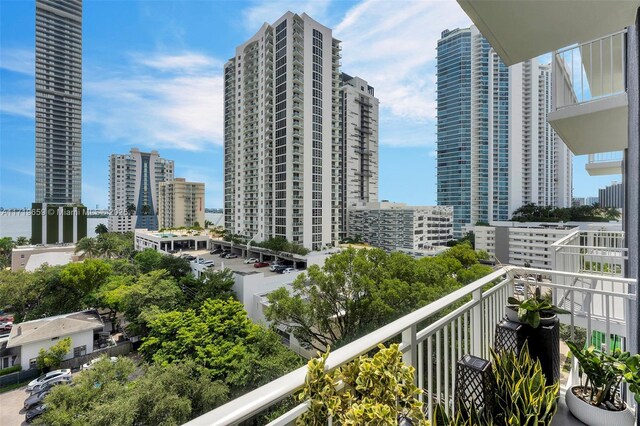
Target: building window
x,y
80,351
33,363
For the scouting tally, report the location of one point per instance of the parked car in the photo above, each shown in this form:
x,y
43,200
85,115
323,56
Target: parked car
x,y
47,377
35,412
251,260
260,265
288,270
35,399
224,253
190,258
232,256
61,380
215,251
279,268
90,364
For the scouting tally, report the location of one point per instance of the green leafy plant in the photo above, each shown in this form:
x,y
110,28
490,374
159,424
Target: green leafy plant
x,y
460,418
532,309
604,372
522,396
632,375
376,390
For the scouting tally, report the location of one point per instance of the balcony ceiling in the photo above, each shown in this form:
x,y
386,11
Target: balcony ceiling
x,y
523,29
604,168
593,127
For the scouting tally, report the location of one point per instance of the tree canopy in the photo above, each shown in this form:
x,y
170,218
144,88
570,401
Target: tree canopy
x,y
588,213
360,290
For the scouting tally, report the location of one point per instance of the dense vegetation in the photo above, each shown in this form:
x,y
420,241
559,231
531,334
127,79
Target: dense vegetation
x,y
358,291
592,213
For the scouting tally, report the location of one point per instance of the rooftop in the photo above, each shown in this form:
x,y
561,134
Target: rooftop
x,y
47,328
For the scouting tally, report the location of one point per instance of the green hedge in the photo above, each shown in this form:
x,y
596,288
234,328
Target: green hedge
x,y
10,370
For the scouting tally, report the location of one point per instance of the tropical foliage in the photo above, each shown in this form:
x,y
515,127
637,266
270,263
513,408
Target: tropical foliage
x,y
378,390
50,359
593,213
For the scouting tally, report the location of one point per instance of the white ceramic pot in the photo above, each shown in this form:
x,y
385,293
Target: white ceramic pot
x,y
594,416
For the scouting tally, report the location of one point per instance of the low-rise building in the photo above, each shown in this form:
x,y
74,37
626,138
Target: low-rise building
x,y
28,338
171,241
396,226
180,204
32,257
521,244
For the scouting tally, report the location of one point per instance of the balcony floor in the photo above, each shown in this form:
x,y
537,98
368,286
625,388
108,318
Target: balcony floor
x,y
563,417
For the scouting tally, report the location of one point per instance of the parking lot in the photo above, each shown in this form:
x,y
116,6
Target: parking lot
x,y
12,407
236,265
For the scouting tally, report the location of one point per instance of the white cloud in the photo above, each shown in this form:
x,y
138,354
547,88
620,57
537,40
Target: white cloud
x,y
23,106
166,101
269,11
18,60
392,45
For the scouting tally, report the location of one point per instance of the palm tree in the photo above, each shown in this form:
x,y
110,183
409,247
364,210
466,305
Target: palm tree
x,y
131,209
23,241
107,247
612,213
101,228
88,247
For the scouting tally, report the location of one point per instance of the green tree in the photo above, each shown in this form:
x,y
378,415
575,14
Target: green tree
x,y
80,279
6,246
220,337
148,260
210,285
101,228
108,395
50,359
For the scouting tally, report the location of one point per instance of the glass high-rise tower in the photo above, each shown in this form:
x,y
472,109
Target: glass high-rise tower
x,y
58,172
496,151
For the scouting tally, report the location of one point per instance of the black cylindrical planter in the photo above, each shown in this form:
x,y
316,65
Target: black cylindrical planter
x,y
544,345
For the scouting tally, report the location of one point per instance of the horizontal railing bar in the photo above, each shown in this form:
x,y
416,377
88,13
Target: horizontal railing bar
x,y
577,46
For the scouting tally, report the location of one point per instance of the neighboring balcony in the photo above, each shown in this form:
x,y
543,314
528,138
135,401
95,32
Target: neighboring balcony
x,y
463,322
590,99
605,163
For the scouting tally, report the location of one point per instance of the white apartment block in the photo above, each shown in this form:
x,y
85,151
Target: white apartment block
x,y
396,226
519,244
359,111
134,181
540,163
180,203
282,153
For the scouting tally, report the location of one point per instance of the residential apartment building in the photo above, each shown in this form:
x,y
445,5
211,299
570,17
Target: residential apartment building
x,y
521,244
359,112
395,226
180,203
57,214
496,151
612,195
134,181
282,153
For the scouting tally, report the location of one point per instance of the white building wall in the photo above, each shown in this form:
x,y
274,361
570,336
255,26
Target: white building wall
x,y
30,350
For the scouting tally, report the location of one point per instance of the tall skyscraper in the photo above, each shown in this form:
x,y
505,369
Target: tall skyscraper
x,y
359,114
58,215
180,203
134,181
496,150
283,152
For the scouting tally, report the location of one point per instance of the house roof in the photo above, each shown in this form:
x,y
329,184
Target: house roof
x,y
48,328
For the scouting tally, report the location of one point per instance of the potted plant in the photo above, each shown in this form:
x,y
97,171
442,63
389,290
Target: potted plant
x,y
533,311
596,401
542,330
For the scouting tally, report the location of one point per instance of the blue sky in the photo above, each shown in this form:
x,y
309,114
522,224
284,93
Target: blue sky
x,y
152,80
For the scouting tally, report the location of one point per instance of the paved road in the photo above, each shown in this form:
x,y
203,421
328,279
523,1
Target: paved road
x,y
12,407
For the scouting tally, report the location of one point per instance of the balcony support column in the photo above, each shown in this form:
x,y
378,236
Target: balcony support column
x,y
631,177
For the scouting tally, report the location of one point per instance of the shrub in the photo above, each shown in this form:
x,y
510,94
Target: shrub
x,y
10,370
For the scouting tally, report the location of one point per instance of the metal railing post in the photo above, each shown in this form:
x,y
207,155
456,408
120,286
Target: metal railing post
x,y
410,356
476,323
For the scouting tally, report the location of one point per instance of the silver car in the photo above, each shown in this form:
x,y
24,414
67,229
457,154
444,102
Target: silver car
x,y
61,380
48,377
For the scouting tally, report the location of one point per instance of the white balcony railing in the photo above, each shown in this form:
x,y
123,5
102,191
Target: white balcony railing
x,y
600,252
606,157
590,70
459,323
